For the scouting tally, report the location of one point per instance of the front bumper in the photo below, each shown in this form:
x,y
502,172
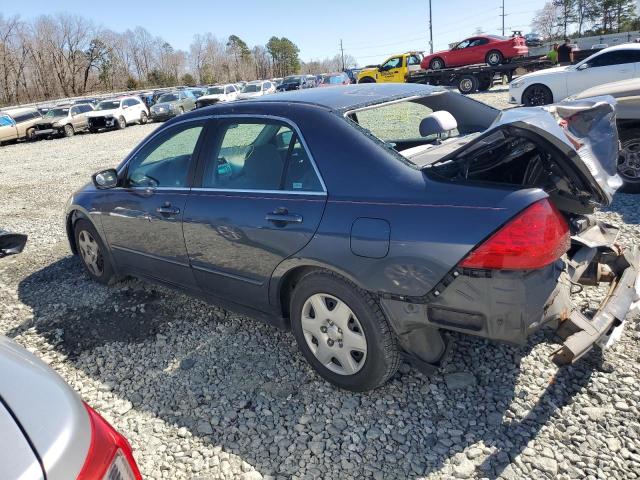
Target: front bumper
x,y
45,132
509,306
161,116
96,123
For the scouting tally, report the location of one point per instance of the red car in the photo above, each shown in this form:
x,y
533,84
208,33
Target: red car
x,y
491,49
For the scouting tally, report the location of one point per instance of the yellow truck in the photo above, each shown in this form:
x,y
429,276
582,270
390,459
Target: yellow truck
x,y
395,69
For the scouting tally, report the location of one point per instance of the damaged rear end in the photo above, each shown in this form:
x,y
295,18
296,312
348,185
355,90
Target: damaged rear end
x,y
522,276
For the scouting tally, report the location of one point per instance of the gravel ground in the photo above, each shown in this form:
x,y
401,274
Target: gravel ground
x,y
204,393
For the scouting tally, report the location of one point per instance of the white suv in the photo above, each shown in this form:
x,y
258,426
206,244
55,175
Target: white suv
x,y
218,93
257,88
117,113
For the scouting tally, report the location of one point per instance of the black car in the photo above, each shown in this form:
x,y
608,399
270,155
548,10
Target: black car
x,y
369,230
296,82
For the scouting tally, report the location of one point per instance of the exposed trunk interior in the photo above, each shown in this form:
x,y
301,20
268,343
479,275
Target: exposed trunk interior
x,y
520,158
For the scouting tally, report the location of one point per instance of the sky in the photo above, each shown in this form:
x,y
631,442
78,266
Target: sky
x,y
370,29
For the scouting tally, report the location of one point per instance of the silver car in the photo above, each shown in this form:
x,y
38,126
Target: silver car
x,y
46,430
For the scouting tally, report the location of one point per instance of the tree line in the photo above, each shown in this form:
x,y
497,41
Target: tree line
x,y
66,55
570,18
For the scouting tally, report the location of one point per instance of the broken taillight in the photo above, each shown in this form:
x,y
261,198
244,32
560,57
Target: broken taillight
x,y
534,238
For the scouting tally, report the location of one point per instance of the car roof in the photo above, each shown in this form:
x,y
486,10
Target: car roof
x,y
622,46
19,110
350,97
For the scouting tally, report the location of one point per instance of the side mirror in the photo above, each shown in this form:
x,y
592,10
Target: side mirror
x,y
105,179
11,243
584,66
382,68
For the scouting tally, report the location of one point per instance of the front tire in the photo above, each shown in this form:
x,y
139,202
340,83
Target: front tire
x,y
629,160
68,131
436,64
31,135
467,84
143,118
537,95
122,123
93,253
342,332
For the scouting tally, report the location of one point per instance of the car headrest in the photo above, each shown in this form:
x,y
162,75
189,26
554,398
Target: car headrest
x,y
438,122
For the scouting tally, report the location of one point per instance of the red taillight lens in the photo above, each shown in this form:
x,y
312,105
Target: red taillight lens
x,y
534,238
110,456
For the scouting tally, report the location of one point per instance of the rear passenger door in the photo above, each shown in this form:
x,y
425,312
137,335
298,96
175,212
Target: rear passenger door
x,y
258,200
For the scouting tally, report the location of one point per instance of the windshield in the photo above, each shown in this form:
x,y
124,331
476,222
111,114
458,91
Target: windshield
x,y
252,87
292,80
215,91
108,105
57,112
168,97
5,121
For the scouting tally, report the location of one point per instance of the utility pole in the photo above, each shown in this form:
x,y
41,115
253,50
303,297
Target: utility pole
x,y
342,54
503,15
430,29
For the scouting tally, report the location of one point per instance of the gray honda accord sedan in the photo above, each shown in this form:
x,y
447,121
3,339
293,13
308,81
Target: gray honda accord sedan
x,y
370,219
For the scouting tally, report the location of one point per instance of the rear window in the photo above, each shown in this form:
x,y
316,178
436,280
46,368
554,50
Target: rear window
x,y
108,105
398,121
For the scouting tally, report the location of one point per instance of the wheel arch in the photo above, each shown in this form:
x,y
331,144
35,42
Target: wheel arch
x,y
285,278
367,79
73,215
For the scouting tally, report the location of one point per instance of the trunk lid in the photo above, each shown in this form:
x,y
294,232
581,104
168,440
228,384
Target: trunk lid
x,y
569,149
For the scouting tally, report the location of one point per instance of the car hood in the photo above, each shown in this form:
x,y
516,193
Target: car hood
x,y
583,132
547,71
102,113
165,104
45,120
214,96
49,411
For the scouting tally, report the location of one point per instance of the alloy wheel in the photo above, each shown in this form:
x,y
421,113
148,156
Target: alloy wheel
x,y
333,334
494,59
629,161
91,253
536,96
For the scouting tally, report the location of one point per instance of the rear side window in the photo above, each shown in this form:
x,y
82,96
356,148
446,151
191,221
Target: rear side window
x,y
165,160
260,156
617,57
5,121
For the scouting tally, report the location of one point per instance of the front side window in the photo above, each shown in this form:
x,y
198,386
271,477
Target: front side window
x,y
463,44
164,161
261,155
395,62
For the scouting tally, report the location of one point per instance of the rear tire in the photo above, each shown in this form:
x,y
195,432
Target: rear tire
x,y
629,160
348,341
494,58
467,84
436,64
537,95
93,253
485,84
366,80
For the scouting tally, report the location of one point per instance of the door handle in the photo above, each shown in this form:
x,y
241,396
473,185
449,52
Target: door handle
x,y
282,215
168,210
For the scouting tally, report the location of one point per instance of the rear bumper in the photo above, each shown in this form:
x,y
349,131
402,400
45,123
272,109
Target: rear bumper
x,y
509,306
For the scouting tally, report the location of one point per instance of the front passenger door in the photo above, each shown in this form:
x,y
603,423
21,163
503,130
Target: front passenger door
x,y
604,68
142,217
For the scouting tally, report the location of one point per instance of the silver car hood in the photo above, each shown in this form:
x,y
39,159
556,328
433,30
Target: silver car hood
x,y
49,411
